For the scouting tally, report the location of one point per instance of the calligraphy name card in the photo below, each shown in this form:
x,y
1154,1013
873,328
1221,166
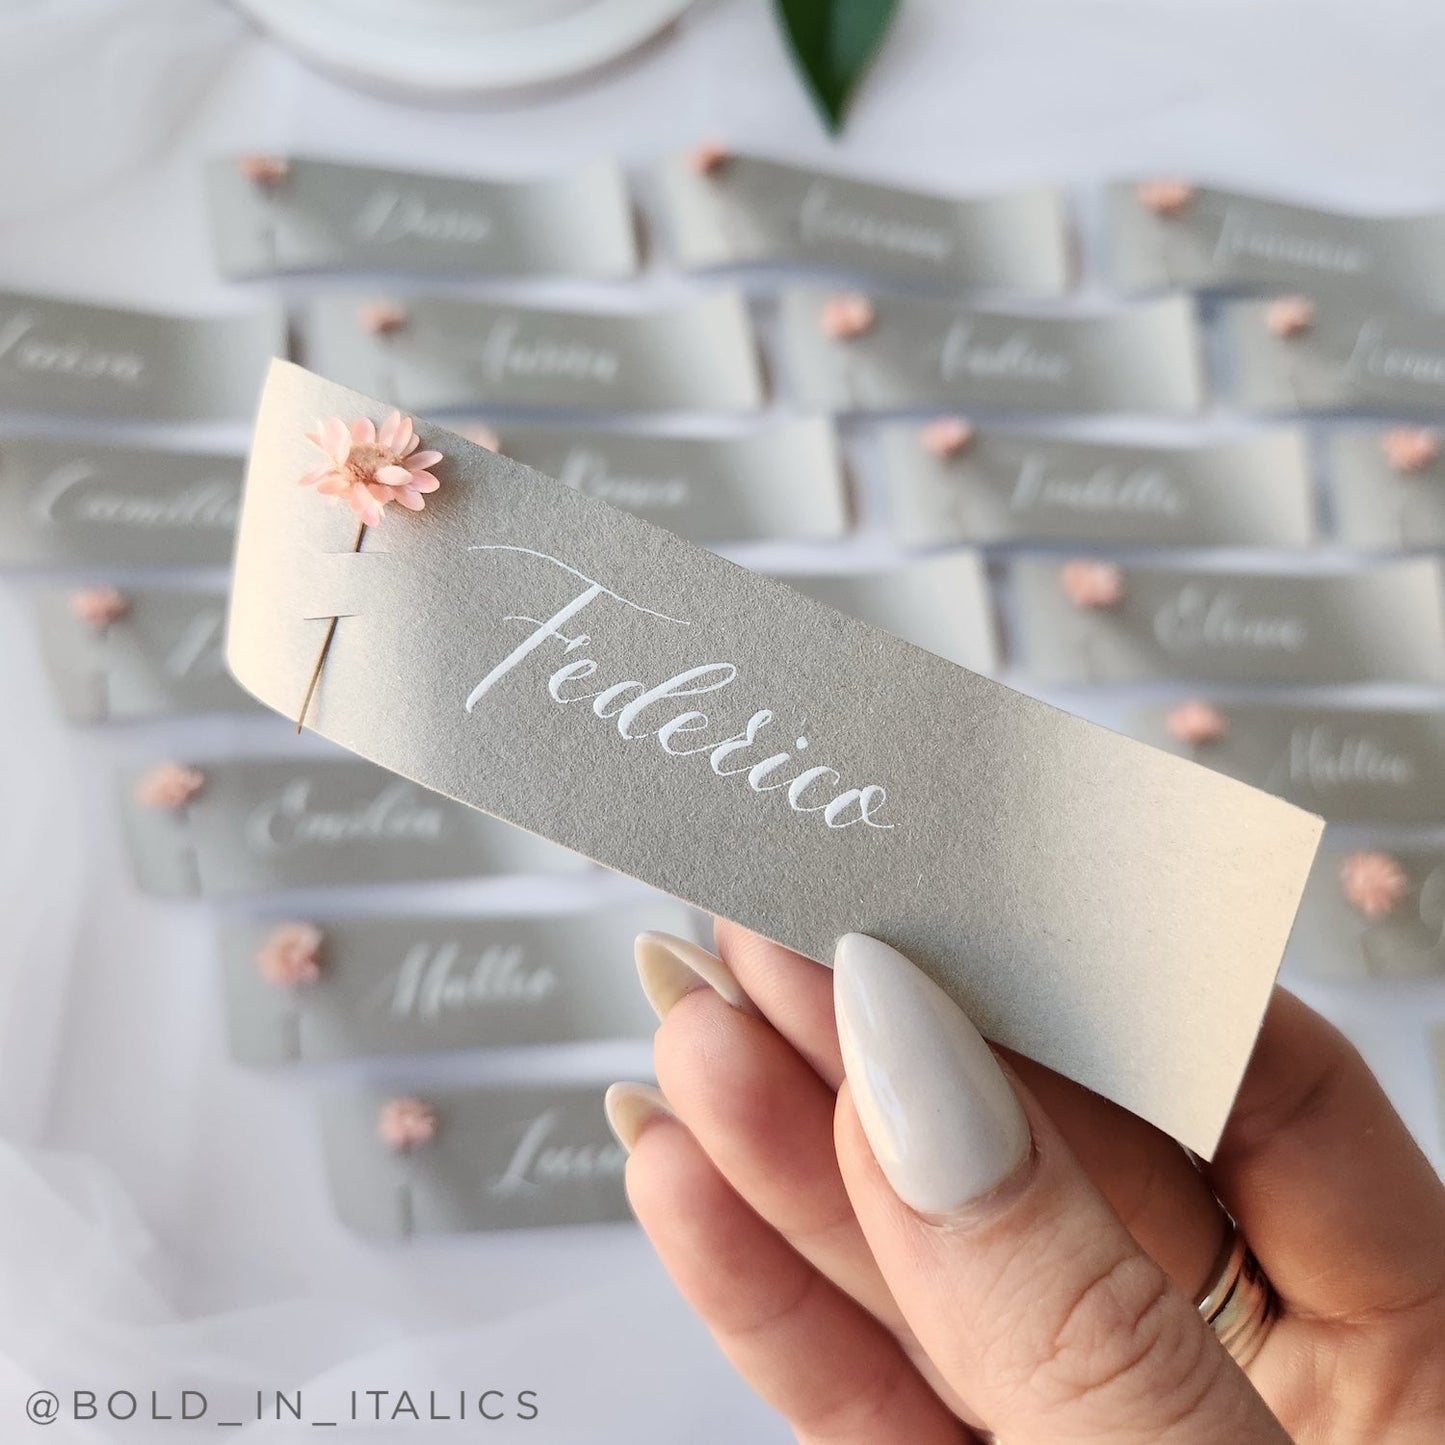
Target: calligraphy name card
x,y
1388,486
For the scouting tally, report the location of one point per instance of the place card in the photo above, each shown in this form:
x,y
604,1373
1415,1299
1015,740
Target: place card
x,y
570,668
72,359
898,353
941,604
1092,621
953,482
1350,765
442,352
241,825
302,214
783,481
1176,235
726,210
115,656
473,1160
1372,912
71,501
341,988
1388,486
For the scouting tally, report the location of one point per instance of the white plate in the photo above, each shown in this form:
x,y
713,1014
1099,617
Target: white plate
x,y
452,49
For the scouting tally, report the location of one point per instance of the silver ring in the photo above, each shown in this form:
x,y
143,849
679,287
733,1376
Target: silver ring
x,y
1240,1304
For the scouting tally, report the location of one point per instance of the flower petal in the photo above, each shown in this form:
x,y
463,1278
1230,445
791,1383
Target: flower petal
x,y
315,475
394,476
383,494
419,461
333,485
410,500
363,431
423,482
337,438
387,432
406,438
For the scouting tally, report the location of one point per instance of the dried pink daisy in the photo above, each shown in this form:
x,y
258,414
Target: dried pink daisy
x,y
262,169
850,313
1290,315
1197,723
369,466
1165,195
98,606
291,956
1410,448
1374,883
407,1123
484,436
1092,584
947,436
381,318
168,786
708,158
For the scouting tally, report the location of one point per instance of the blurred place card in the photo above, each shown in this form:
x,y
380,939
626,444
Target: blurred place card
x,y
1093,622
450,352
161,655
941,604
723,210
492,1158
73,501
783,481
73,359
341,988
900,353
299,214
1172,235
241,825
1372,912
951,482
1388,486
1351,766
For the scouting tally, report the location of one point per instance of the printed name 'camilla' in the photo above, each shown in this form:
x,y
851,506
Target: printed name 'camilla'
x,y
639,711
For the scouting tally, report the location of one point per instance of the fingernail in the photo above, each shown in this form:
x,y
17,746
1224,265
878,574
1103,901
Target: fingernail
x,y
631,1108
670,967
943,1121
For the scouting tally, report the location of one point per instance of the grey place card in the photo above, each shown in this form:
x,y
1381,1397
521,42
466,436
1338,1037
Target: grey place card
x,y
1382,623
911,354
743,209
497,1158
253,824
1386,503
73,359
318,215
449,352
1009,486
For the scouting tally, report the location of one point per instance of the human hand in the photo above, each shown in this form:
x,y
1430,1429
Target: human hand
x,y
898,1242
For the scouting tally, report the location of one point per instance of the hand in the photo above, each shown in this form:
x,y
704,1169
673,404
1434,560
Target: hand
x,y
904,1241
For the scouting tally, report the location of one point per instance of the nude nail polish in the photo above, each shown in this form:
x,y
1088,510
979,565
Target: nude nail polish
x,y
942,1119
671,967
631,1108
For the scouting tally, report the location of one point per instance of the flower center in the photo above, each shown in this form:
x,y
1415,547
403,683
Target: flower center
x,y
365,459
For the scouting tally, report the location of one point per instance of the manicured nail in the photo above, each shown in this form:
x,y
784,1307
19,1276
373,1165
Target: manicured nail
x,y
631,1108
943,1121
670,967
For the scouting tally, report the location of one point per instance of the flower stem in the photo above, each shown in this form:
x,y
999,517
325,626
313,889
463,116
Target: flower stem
x,y
325,648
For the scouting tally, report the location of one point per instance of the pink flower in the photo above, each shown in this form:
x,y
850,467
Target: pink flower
x,y
947,436
1373,882
262,169
1290,315
369,466
1092,584
484,436
1410,448
407,1123
850,313
291,956
169,786
99,606
381,318
1196,723
708,158
1165,196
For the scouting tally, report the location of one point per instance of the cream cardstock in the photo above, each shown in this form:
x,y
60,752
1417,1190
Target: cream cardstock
x,y
1377,505
73,359
1009,486
750,210
451,352
324,215
1379,624
922,354
522,647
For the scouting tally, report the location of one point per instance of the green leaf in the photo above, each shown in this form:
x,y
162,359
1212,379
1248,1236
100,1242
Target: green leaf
x,y
833,43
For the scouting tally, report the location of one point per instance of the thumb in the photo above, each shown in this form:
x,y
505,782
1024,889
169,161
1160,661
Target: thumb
x,y
1020,1282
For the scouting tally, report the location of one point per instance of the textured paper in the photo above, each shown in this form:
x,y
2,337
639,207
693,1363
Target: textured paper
x,y
163,658
398,985
1379,624
502,1158
451,352
1350,765
1334,939
941,604
1017,486
1224,240
922,354
1130,943
72,359
263,824
324,215
781,481
753,210
1375,505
